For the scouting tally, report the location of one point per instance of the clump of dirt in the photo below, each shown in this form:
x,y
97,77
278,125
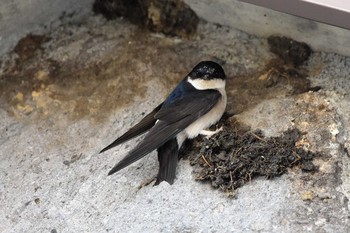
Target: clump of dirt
x,y
237,155
133,10
172,17
289,50
28,45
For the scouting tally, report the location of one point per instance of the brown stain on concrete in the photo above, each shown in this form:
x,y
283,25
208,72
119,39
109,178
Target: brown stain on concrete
x,y
93,86
40,87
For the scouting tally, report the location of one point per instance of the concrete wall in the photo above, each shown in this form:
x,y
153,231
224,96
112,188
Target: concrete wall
x,y
18,17
264,22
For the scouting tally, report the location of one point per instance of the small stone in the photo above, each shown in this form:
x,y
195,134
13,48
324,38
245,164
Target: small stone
x,y
308,195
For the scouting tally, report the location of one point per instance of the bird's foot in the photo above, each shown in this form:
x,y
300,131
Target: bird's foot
x,y
208,133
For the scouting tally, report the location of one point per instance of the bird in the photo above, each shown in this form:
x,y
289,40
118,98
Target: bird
x,y
195,104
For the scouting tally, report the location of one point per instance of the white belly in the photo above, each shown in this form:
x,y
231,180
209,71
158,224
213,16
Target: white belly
x,y
208,119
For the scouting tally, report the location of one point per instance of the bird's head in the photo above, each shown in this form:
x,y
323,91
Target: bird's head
x,y
207,75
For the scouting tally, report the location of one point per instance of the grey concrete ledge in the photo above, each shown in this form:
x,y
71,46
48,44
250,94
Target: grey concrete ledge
x,y
265,22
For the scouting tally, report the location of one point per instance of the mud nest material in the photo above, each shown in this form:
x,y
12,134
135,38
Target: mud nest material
x,y
286,69
289,50
237,155
171,17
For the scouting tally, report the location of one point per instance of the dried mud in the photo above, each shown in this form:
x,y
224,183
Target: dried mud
x,y
237,155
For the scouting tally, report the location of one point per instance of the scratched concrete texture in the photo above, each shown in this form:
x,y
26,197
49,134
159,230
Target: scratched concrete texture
x,y
90,79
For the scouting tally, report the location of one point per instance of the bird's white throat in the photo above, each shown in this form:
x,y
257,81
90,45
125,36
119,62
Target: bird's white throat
x,y
201,84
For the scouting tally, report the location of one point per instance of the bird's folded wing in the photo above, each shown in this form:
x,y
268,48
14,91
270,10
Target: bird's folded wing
x,y
172,120
193,105
145,124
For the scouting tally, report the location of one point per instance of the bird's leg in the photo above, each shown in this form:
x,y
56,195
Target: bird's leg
x,y
209,133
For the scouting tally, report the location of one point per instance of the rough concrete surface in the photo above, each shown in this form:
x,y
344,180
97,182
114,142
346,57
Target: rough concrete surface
x,y
17,18
95,78
263,22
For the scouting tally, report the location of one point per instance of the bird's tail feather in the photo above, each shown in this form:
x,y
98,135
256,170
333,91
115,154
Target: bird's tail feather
x,y
157,137
168,158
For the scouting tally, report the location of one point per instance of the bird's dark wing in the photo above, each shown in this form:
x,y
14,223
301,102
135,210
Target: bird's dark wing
x,y
172,120
195,105
145,124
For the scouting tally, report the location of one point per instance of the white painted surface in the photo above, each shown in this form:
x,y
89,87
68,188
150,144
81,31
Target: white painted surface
x,y
335,13
343,5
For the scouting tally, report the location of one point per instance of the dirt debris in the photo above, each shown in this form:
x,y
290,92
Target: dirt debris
x,y
28,45
237,155
174,17
290,51
133,10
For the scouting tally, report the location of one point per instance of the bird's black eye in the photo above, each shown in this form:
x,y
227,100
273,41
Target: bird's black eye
x,y
207,70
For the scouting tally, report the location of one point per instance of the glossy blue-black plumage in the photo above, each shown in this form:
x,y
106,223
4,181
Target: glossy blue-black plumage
x,y
184,105
204,70
183,88
207,70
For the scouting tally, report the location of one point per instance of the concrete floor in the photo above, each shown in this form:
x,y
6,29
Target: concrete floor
x,y
93,79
